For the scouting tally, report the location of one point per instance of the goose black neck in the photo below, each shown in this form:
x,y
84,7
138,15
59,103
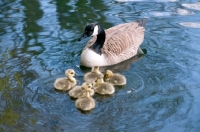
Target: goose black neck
x,y
98,44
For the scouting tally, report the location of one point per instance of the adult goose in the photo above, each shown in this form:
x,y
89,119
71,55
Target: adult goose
x,y
112,46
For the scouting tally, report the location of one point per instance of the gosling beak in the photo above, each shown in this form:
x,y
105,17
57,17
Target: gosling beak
x,y
104,75
93,83
75,74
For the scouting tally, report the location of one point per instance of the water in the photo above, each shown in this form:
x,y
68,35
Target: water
x,y
38,41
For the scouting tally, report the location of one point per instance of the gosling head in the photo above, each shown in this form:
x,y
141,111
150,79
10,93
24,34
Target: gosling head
x,y
98,81
87,86
108,74
92,29
70,73
95,69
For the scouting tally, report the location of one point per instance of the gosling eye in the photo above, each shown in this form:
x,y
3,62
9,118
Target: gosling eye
x,y
71,73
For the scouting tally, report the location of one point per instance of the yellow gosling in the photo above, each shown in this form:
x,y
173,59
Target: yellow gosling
x,y
114,78
77,91
67,82
85,102
102,87
95,73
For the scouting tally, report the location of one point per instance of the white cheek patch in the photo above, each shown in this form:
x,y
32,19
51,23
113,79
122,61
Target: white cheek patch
x,y
95,32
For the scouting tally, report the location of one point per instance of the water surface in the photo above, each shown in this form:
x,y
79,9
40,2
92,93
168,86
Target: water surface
x,y
38,42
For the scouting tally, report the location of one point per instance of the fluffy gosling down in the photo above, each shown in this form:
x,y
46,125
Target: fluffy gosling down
x,y
85,102
103,88
95,73
77,91
114,78
67,82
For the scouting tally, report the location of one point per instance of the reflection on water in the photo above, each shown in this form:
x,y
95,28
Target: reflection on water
x,y
190,24
38,41
195,6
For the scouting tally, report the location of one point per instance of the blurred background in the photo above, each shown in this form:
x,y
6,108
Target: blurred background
x,y
38,42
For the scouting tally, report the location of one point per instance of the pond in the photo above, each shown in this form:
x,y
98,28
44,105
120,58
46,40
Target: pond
x,y
38,42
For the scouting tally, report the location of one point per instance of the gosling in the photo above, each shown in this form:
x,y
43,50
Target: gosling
x,y
95,73
103,88
67,82
85,102
114,78
77,91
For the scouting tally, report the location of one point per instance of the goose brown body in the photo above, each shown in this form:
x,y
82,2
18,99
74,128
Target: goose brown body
x,y
121,43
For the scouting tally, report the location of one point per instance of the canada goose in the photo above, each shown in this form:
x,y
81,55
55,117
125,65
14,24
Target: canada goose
x,y
76,91
95,73
85,102
67,82
114,78
113,45
102,87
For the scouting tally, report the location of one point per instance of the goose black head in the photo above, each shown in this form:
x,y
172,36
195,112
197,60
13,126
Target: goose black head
x,y
90,30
